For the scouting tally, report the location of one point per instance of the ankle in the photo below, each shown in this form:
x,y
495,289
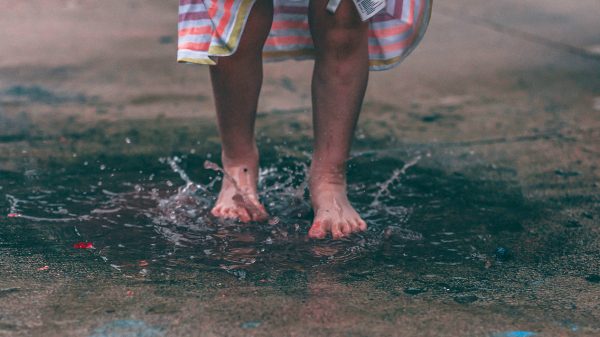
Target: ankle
x,y
242,159
327,177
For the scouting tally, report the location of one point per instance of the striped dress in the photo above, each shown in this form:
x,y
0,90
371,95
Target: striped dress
x,y
209,29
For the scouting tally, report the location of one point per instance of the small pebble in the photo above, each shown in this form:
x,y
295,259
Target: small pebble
x,y
502,254
572,224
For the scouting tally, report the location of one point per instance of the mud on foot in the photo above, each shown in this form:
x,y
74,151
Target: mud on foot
x,y
238,198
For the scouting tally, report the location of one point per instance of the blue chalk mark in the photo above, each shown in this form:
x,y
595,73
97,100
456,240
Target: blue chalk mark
x,y
514,334
250,325
127,328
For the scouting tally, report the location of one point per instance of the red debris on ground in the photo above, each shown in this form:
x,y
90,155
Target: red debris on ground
x,y
83,245
129,293
43,268
143,263
13,215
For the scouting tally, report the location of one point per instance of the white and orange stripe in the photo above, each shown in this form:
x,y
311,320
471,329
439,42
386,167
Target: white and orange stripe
x,y
209,29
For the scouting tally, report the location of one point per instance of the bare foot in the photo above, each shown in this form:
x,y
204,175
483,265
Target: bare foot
x,y
333,212
238,198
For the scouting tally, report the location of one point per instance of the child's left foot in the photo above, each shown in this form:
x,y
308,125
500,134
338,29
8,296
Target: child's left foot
x,y
333,212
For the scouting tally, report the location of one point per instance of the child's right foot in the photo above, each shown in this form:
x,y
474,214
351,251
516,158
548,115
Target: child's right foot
x,y
238,198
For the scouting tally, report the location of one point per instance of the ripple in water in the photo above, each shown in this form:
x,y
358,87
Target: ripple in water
x,y
148,226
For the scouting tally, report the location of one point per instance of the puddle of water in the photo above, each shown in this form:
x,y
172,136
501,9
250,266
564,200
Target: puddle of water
x,y
38,94
154,216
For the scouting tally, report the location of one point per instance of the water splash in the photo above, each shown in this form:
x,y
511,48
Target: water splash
x,y
396,175
152,219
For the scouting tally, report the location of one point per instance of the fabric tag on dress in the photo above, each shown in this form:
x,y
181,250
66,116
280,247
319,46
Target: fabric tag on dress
x,y
332,5
391,7
368,8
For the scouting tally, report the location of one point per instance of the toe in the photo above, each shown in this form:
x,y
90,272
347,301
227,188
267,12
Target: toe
x,y
243,215
354,226
362,225
336,231
259,213
227,213
346,228
216,211
317,231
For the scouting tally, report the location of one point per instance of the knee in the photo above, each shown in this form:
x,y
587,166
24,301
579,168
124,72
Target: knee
x,y
344,37
342,41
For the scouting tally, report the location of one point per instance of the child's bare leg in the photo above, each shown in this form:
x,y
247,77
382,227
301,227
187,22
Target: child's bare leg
x,y
236,81
338,87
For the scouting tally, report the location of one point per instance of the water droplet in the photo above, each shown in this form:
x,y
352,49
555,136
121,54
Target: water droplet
x,y
414,290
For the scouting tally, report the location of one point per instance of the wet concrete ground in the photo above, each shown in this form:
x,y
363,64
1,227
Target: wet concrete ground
x,y
493,230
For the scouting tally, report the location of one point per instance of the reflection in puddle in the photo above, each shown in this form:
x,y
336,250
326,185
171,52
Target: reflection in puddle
x,y
158,218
